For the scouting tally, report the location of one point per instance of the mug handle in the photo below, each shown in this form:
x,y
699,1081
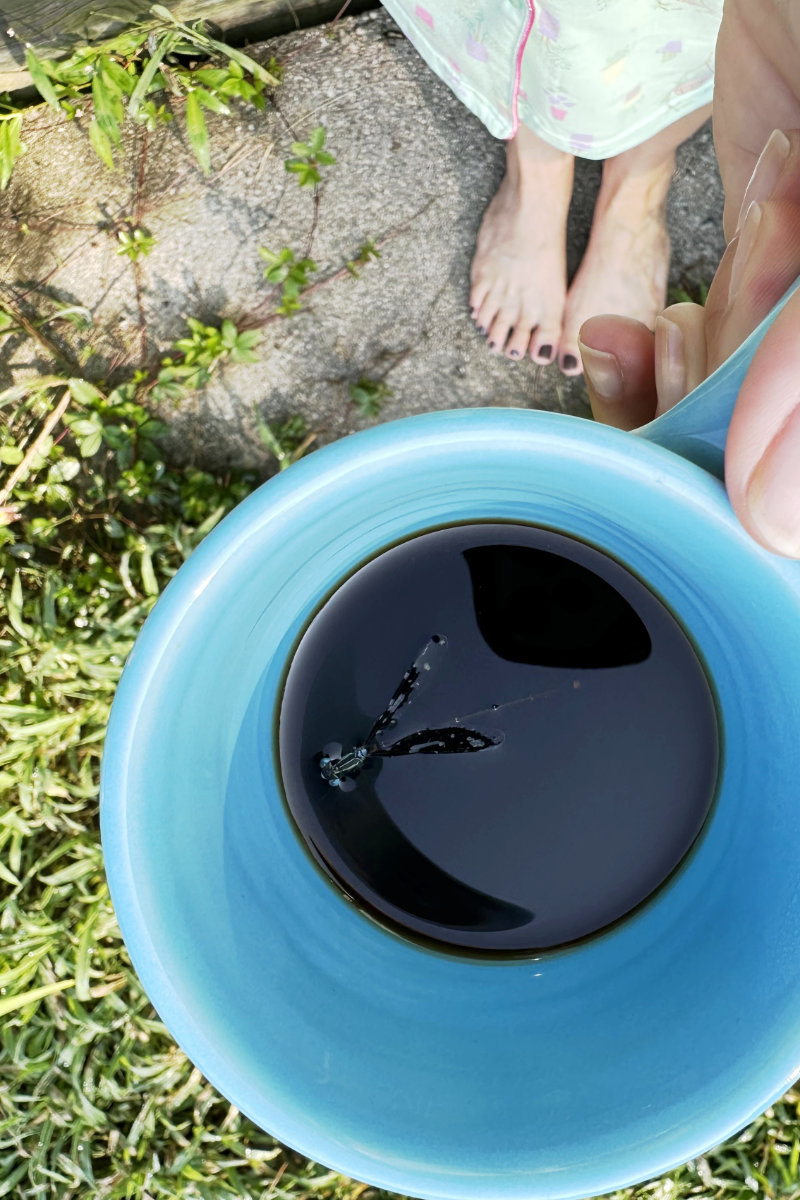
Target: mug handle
x,y
696,428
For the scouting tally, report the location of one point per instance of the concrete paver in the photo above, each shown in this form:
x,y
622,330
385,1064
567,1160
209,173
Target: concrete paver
x,y
414,172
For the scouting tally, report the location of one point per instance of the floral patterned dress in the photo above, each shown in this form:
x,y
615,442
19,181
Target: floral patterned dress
x,y
594,77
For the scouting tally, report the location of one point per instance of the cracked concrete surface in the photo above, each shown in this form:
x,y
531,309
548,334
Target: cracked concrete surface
x,y
414,172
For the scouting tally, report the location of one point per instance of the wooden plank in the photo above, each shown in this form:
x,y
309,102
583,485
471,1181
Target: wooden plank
x,y
54,27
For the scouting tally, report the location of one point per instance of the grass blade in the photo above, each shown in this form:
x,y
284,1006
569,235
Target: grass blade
x,y
147,76
210,43
10,1004
197,131
244,60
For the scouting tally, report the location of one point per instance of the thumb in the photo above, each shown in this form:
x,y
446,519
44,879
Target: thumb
x,y
619,365
762,455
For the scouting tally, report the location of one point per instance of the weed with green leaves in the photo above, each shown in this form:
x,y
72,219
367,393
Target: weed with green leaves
x,y
308,157
138,75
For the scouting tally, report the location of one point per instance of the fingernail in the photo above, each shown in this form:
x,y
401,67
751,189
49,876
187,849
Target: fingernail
x,y
603,372
570,362
767,171
747,237
773,493
671,364
545,352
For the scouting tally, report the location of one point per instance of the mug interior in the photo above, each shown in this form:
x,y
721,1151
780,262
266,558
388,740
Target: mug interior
x,y
567,1073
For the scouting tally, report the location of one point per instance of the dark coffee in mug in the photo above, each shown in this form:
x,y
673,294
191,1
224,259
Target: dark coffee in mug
x,y
494,737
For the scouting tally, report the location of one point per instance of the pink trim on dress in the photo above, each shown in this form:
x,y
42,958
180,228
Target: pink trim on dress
x,y
518,74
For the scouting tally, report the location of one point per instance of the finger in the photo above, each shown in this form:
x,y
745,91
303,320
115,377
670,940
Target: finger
x,y
777,172
618,362
739,134
762,455
755,91
680,353
759,265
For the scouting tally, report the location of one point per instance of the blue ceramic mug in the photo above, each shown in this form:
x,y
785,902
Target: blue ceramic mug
x,y
562,1074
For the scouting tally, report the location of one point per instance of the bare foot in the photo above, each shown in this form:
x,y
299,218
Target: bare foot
x,y
519,270
626,264
624,270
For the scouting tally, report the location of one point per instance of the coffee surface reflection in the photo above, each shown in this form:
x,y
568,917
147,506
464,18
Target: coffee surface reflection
x,y
496,738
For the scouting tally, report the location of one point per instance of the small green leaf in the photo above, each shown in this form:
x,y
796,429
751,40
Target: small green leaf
x,y
90,444
15,618
269,439
108,111
84,392
10,455
149,581
100,144
210,101
198,133
63,470
212,77
243,354
41,79
248,339
125,83
317,139
242,60
369,395
10,148
81,426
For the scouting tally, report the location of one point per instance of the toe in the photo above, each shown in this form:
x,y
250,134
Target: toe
x,y
569,355
569,360
544,345
477,296
520,339
486,312
500,329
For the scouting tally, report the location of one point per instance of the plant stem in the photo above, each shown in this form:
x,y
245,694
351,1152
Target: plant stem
x,y
38,336
21,469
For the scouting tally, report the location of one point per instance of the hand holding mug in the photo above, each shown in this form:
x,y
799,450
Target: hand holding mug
x,y
634,375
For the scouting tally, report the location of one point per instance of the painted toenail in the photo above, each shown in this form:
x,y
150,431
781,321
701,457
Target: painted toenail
x,y
481,329
514,353
570,362
492,345
546,351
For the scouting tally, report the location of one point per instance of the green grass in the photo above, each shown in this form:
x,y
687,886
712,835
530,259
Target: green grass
x,y
689,291
95,1098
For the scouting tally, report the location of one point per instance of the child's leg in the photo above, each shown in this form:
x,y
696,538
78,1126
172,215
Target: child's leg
x,y
519,269
625,268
